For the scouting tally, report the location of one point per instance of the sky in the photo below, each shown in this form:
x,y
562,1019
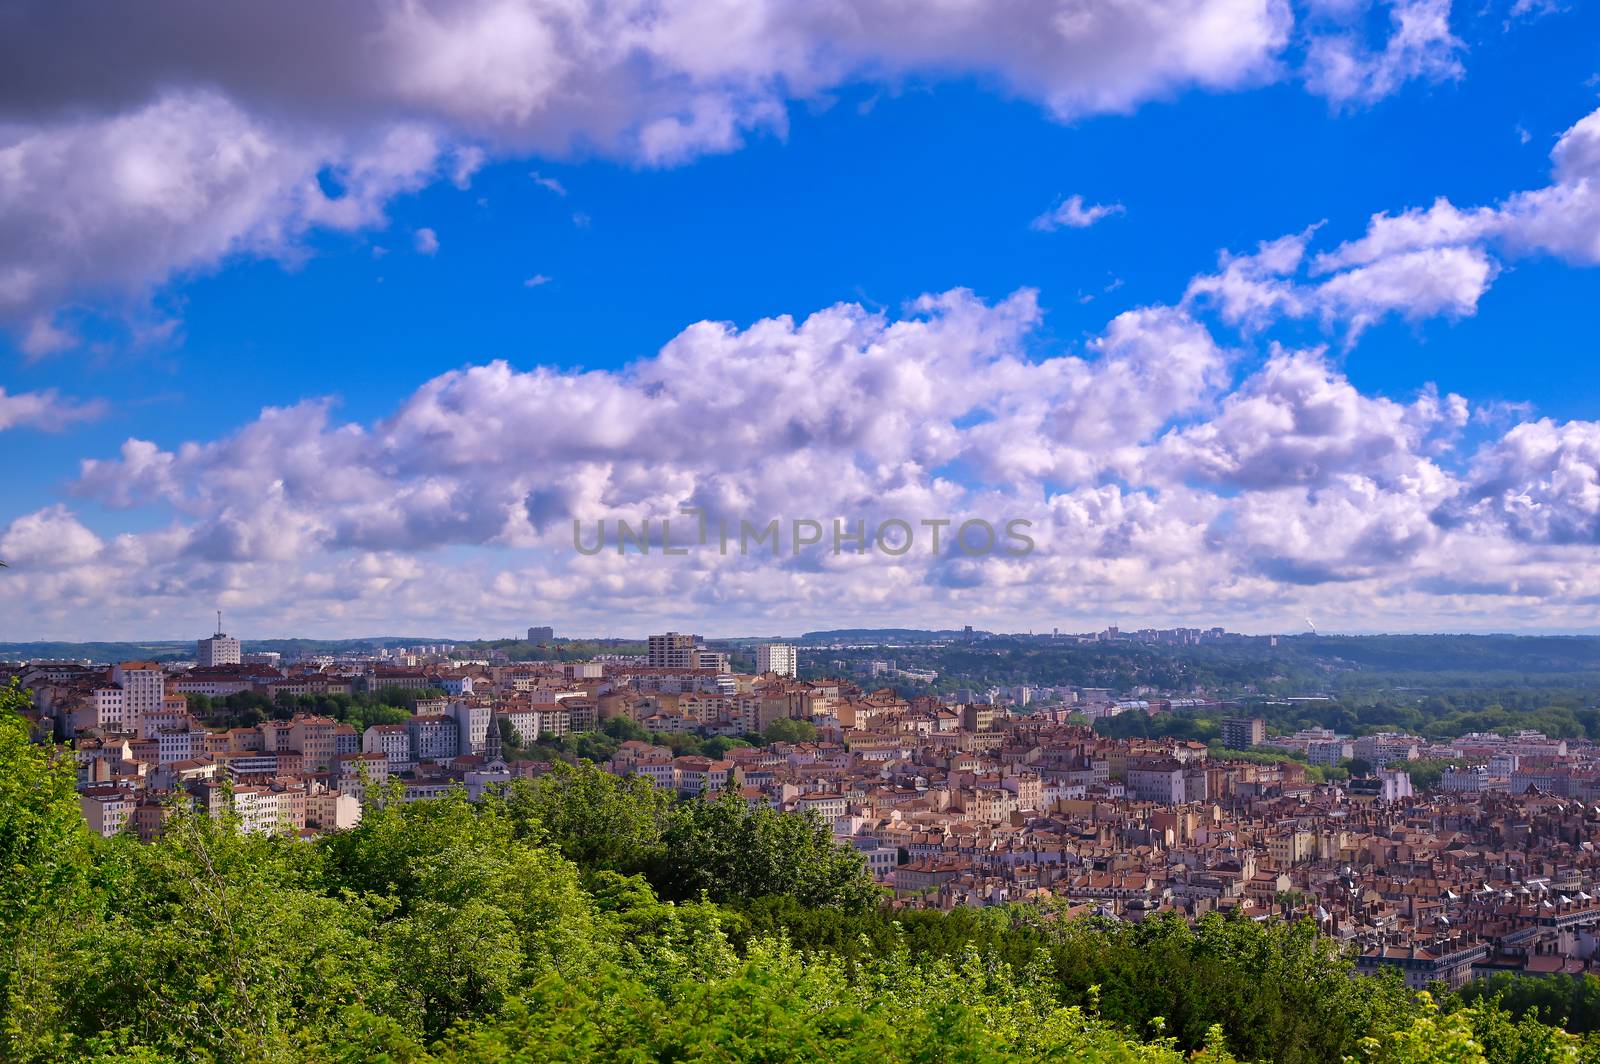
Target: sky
x,y
343,319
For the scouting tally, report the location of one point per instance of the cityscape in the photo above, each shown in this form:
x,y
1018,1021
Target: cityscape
x,y
800,532
1483,864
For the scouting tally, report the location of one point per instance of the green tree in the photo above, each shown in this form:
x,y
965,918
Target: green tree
x,y
790,730
44,873
594,818
725,849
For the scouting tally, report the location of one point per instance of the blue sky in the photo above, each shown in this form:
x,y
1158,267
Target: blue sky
x,y
876,190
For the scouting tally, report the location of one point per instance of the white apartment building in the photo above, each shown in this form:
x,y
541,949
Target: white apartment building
x,y
106,809
1472,779
830,807
257,808
393,741
778,658
108,709
177,744
1396,784
1329,752
434,737
144,689
1157,782
472,726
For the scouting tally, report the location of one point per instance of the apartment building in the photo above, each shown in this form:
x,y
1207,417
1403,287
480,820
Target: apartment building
x,y
779,658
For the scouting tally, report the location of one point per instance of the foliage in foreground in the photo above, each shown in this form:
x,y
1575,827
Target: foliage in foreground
x,y
587,919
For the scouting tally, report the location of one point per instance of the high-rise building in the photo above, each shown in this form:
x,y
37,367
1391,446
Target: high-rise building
x,y
1242,733
673,650
144,688
541,635
218,649
778,658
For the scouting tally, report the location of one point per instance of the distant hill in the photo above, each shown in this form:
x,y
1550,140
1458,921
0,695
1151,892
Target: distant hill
x,y
1449,653
181,649
870,635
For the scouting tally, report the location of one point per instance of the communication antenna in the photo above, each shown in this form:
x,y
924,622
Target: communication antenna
x,y
219,622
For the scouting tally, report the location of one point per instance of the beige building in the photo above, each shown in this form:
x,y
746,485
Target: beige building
x,y
144,690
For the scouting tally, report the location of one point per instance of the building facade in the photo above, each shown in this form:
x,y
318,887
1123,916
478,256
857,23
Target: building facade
x,y
219,649
779,658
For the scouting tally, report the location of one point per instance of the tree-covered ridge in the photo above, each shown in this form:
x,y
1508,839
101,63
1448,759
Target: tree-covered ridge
x,y
589,918
1299,664
1568,713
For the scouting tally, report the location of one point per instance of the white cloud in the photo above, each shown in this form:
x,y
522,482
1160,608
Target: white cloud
x,y
1420,46
1157,486
536,281
1532,9
426,241
1073,213
549,183
51,538
45,337
1454,244
1257,289
44,410
1298,421
1541,482
102,207
142,147
1421,284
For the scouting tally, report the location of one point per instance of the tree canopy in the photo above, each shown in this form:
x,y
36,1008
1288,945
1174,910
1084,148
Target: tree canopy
x,y
579,917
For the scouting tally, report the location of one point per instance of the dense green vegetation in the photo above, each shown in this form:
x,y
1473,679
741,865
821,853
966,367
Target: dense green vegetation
x,y
1560,712
1353,668
555,650
246,709
584,917
1557,999
184,649
599,746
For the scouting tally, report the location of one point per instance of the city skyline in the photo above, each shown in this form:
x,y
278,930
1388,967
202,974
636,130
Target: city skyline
x,y
1259,315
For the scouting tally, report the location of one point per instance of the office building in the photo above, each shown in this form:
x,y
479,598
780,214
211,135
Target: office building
x,y
218,649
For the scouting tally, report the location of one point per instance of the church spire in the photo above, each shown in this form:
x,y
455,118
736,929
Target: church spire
x,y
491,741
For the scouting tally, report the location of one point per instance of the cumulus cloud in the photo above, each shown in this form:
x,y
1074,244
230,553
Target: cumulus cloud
x,y
426,241
45,409
51,538
1541,482
1298,421
1073,213
99,208
1437,261
175,139
1443,256
1256,290
1162,473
